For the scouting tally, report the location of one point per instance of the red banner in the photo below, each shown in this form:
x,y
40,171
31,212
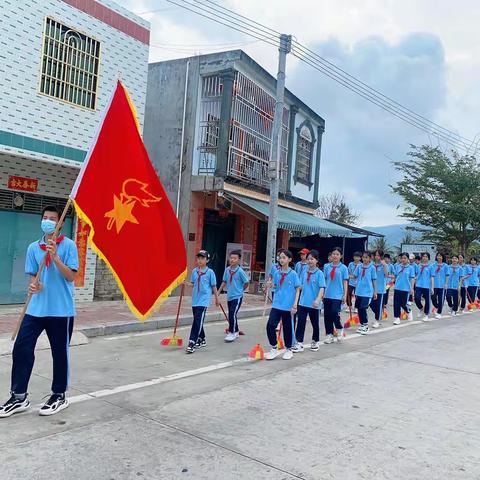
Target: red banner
x,y
22,183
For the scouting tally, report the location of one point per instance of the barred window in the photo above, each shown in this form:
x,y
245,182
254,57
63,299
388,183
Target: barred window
x,y
70,62
304,154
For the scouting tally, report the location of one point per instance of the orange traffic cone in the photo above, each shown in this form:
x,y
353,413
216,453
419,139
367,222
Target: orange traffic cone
x,y
256,353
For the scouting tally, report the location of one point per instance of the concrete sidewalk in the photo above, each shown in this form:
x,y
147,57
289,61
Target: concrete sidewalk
x,y
95,319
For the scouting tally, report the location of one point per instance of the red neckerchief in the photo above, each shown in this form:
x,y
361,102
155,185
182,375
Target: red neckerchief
x,y
43,246
377,266
454,268
423,268
364,269
232,273
200,275
282,277
438,267
309,274
332,272
402,270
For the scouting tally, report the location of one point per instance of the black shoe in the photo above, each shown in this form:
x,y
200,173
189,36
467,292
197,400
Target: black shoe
x,y
190,348
14,405
54,404
201,342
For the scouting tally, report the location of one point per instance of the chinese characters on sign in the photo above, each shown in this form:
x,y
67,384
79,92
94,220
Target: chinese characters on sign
x,y
83,230
22,183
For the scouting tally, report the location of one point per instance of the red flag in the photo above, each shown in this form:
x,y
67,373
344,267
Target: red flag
x,y
133,225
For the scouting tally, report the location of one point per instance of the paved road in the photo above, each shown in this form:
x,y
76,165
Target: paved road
x,y
403,403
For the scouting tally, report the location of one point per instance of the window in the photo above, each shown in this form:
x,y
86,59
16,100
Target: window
x,y
303,164
70,63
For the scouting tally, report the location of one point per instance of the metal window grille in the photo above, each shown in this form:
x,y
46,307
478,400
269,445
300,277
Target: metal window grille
x,y
70,63
251,132
30,203
304,154
209,120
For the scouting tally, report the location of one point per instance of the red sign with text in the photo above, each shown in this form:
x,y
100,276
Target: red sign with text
x,y
22,183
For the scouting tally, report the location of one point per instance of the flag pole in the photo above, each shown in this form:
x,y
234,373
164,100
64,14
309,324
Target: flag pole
x,y
40,270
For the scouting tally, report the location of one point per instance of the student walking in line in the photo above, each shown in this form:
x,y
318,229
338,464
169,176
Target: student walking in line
x,y
424,287
381,270
463,289
51,309
357,258
287,292
472,280
336,280
366,290
453,285
404,278
390,277
274,268
203,283
302,265
235,280
440,272
312,291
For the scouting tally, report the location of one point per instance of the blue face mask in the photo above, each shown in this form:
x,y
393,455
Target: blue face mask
x,y
48,226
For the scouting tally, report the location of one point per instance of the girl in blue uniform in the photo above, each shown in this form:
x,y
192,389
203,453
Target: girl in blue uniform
x,y
453,284
440,273
313,288
463,289
357,257
404,277
336,280
390,277
381,269
287,291
472,280
366,289
424,286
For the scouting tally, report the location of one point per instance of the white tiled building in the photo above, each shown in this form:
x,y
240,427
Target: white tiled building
x,y
59,62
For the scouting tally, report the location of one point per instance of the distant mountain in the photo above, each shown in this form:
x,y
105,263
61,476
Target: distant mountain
x,y
394,233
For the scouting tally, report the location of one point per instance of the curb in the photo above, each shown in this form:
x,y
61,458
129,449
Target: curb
x,y
159,323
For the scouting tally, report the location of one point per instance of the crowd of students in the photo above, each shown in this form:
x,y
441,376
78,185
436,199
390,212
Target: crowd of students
x,y
302,292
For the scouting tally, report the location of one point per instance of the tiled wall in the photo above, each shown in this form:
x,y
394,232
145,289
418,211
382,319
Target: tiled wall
x,y
35,118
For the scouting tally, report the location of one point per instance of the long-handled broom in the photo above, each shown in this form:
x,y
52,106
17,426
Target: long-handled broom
x,y
227,329
175,341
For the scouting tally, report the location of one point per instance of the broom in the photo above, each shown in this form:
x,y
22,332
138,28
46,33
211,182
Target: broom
x,y
175,341
227,329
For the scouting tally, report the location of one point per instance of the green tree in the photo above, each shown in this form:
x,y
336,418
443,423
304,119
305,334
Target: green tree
x,y
441,195
335,207
380,243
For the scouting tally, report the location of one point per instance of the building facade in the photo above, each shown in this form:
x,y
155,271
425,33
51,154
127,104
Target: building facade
x,y
59,63
208,129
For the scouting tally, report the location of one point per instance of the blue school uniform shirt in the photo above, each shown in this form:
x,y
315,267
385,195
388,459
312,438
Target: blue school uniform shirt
x,y
403,275
351,270
334,287
235,279
440,273
364,276
56,299
424,276
300,268
381,278
472,279
311,287
455,273
202,286
285,293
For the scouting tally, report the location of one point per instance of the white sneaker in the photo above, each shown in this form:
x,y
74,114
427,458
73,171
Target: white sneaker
x,y
364,330
426,318
454,313
298,347
272,354
359,329
438,315
376,324
288,355
314,346
409,303
230,337
339,336
396,321
410,316
419,315
328,339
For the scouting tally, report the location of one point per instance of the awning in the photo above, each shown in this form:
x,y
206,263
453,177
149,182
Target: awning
x,y
294,220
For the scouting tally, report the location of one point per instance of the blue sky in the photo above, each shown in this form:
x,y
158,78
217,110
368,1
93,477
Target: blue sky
x,y
423,53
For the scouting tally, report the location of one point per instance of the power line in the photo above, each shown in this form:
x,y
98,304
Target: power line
x,y
240,23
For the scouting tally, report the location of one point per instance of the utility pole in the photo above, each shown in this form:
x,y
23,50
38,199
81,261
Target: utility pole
x,y
275,152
